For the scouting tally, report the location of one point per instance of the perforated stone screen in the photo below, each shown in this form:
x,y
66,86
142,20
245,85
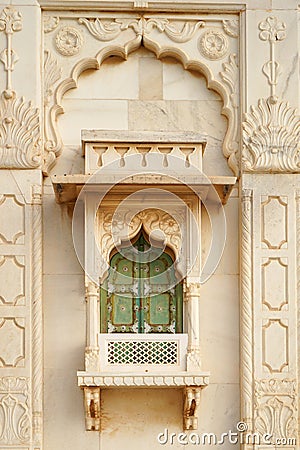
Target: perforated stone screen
x,y
141,352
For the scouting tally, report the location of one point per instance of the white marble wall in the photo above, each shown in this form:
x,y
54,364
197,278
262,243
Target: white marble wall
x,y
121,95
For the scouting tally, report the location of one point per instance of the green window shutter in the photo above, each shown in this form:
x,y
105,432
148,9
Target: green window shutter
x,y
137,297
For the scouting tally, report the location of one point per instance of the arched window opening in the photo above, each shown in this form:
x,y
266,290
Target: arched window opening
x,y
141,293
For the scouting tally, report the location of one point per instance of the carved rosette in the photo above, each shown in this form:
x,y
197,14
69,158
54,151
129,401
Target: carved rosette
x,y
276,408
20,145
68,41
213,44
271,136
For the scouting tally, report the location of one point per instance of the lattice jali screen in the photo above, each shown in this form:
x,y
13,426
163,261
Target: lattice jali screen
x,y
143,352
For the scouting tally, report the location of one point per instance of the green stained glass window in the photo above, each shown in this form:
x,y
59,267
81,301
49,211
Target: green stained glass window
x,y
141,293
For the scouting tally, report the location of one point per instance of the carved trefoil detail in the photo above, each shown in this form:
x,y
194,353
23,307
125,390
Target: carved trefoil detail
x,y
15,426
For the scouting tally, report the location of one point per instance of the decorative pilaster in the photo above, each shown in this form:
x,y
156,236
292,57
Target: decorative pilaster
x,y
192,301
246,322
92,349
37,316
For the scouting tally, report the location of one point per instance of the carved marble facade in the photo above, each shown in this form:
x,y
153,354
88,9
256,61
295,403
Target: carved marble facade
x,y
150,76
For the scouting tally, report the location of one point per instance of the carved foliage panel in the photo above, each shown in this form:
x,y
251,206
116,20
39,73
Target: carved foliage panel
x,y
15,418
276,409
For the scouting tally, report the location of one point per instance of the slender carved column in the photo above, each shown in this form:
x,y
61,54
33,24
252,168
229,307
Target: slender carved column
x,y
37,315
246,310
192,299
92,349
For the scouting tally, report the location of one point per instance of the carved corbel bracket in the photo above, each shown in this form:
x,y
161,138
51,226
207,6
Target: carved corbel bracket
x,y
190,409
92,408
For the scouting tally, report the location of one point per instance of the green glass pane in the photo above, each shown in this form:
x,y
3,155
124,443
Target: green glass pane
x,y
122,310
160,309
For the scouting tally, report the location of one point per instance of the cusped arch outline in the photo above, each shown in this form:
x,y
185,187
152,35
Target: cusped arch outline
x,y
53,147
150,219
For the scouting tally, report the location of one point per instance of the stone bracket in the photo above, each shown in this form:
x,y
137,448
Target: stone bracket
x,y
190,408
92,397
92,408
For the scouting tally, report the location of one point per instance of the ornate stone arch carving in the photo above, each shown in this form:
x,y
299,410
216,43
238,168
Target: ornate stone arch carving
x,y
182,39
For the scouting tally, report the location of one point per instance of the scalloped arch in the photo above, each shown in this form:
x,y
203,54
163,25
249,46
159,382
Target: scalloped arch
x,y
53,150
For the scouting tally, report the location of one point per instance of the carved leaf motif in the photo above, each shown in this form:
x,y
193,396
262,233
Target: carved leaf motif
x,y
102,31
185,33
109,31
230,75
231,27
20,145
52,73
271,136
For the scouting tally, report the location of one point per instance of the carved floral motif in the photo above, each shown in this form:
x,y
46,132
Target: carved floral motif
x,y
272,30
50,23
271,136
15,423
10,22
213,44
68,41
